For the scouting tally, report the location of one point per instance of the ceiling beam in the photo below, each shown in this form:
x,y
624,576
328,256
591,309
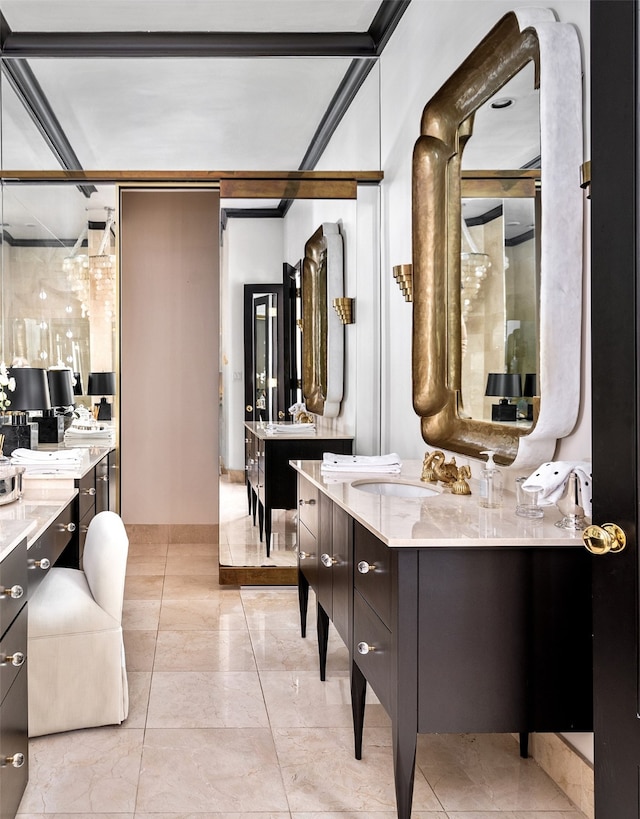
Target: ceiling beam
x,y
166,44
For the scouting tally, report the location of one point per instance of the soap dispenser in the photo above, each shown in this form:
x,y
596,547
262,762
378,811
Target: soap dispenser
x,y
490,483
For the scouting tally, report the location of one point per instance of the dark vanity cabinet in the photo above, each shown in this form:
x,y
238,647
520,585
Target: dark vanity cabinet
x,y
14,755
460,639
271,481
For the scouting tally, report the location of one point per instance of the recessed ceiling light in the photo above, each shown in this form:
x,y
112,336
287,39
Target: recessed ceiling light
x,y
503,102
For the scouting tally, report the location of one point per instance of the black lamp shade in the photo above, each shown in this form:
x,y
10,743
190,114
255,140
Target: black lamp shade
x,y
530,385
60,387
32,389
77,387
506,385
101,384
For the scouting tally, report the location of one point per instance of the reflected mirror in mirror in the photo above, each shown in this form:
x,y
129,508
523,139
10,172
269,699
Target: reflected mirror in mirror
x,y
499,303
59,279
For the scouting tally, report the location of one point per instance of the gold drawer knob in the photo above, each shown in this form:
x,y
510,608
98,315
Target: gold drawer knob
x,y
599,540
90,491
365,648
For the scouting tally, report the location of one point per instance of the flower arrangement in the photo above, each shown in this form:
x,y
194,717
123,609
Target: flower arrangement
x,y
7,384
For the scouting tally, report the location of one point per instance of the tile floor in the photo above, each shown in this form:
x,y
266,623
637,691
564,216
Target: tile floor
x,y
228,719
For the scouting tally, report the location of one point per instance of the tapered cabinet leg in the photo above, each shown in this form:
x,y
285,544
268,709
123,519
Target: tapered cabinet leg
x,y
358,702
260,519
404,763
267,528
303,602
524,744
323,640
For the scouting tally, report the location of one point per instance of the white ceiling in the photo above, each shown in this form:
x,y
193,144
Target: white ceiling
x,y
212,113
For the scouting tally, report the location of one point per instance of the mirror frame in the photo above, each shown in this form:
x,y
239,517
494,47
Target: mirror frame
x,y
447,123
322,330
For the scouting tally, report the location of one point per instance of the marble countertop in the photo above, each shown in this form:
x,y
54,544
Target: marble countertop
x,y
48,472
31,515
443,520
259,428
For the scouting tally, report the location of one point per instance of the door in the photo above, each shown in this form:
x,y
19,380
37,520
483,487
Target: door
x,y
264,352
616,404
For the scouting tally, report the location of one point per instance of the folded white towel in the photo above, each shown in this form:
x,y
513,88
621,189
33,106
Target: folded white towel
x,y
357,464
552,477
296,428
34,456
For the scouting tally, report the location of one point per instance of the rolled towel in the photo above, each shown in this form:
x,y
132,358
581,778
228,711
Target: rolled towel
x,y
383,464
552,477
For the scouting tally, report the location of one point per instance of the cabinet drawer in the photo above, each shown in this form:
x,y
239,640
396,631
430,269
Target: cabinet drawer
x,y
372,649
14,742
102,485
372,576
14,646
49,546
308,505
13,585
86,493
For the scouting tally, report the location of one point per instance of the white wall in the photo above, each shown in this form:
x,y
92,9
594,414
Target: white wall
x,y
252,252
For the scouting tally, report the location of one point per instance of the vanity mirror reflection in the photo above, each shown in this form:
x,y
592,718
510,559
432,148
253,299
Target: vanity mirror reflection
x,y
527,49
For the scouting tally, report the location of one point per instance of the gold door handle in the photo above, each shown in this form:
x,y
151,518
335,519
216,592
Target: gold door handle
x,y
602,539
249,408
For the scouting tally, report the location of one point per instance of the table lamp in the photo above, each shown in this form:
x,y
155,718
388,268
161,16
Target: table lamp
x,y
507,385
51,425
102,384
31,393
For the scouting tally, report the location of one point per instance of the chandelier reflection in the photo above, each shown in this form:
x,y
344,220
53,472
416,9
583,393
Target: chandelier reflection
x,y
92,276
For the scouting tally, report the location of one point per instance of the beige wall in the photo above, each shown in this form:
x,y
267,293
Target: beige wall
x,y
169,263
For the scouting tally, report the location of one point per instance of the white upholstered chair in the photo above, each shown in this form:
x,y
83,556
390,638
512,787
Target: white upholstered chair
x,y
75,654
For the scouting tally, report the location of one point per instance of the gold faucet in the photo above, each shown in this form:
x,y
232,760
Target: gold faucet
x,y
435,468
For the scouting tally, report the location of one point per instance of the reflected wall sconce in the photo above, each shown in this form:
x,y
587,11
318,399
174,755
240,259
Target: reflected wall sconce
x,y
585,177
344,308
403,274
102,384
507,385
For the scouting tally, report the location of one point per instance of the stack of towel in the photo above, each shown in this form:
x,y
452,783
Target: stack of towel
x,y
553,476
44,462
98,435
293,427
361,464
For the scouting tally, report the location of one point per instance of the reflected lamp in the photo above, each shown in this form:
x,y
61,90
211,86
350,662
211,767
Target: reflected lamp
x,y
103,384
31,394
506,385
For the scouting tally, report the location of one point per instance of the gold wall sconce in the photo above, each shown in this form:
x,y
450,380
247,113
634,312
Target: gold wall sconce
x,y
403,274
585,177
344,308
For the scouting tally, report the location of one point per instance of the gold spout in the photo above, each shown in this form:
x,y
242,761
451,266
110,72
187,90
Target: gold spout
x,y
435,468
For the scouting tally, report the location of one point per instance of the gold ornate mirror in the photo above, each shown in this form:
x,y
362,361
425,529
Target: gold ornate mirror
x,y
322,330
531,36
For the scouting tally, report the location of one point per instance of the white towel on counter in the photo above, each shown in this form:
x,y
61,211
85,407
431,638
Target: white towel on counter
x,y
359,464
552,477
38,456
297,428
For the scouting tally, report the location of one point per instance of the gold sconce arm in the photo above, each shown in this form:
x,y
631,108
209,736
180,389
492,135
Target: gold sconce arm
x,y
344,308
403,274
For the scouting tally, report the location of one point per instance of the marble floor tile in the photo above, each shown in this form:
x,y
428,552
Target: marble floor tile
x,y
192,564
206,699
75,815
204,651
319,768
298,699
191,587
224,815
376,814
207,550
139,687
147,549
139,650
146,565
140,614
187,771
84,772
219,613
285,650
526,814
484,772
143,587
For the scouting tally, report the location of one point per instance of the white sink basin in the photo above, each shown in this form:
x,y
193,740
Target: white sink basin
x,y
398,488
